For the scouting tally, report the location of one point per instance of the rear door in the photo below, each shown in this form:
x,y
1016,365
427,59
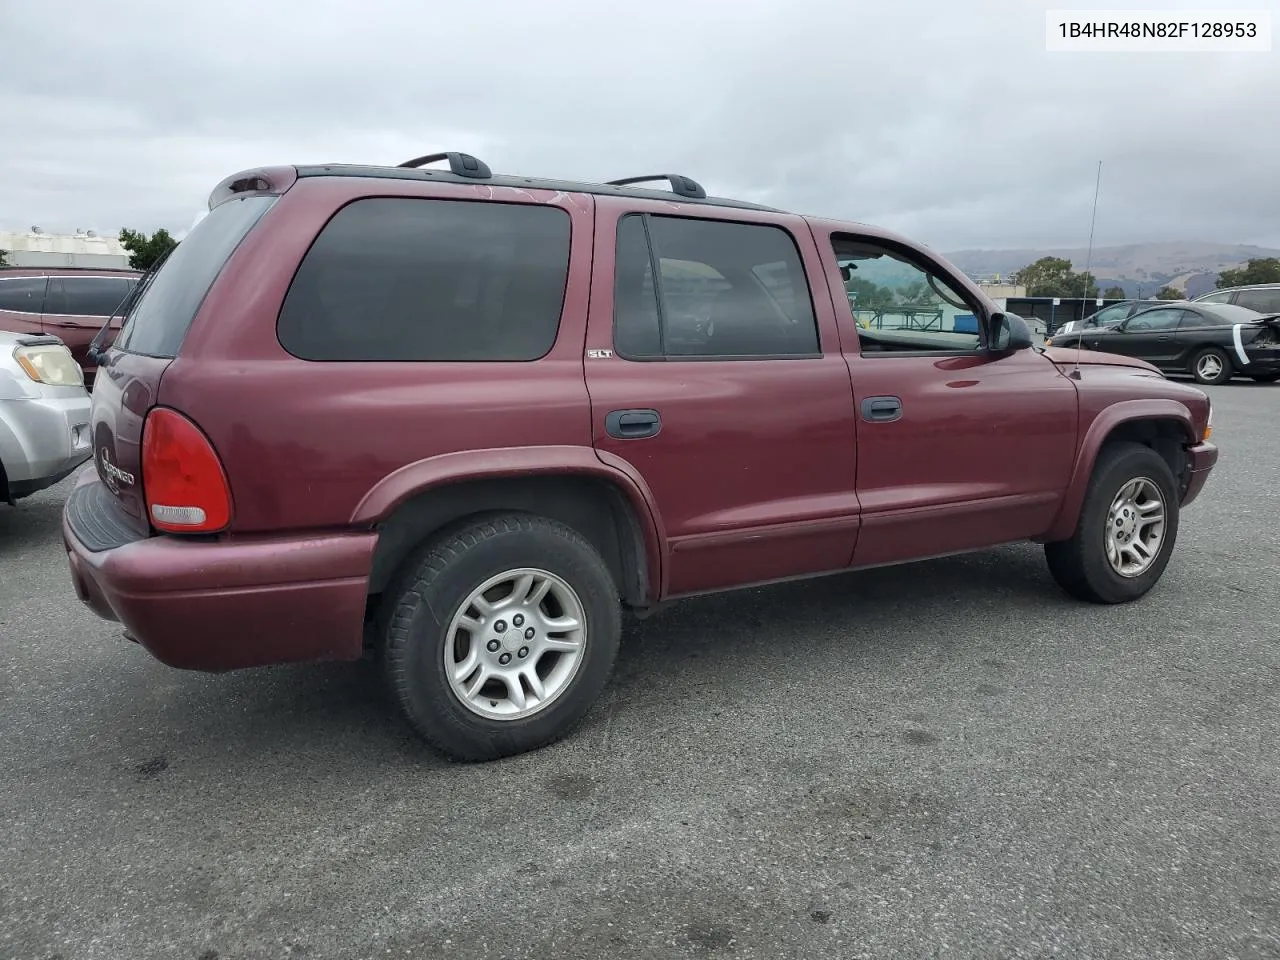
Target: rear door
x,y
75,308
715,374
128,380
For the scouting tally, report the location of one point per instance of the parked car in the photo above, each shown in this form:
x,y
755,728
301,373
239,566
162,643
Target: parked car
x,y
44,414
459,420
1108,316
71,304
1211,341
1262,297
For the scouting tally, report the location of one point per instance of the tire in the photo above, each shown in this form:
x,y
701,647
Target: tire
x,y
1206,361
1266,377
437,587
1080,565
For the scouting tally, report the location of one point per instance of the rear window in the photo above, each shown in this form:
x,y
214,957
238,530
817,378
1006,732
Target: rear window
x,y
430,280
160,319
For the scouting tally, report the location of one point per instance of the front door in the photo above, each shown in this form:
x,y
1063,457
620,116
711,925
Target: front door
x,y
715,374
959,447
1150,335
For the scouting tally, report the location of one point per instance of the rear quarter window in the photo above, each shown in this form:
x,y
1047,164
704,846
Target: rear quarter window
x,y
159,321
1264,301
412,279
22,294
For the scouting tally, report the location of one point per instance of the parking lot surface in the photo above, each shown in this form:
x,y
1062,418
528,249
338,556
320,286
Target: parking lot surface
x,y
945,759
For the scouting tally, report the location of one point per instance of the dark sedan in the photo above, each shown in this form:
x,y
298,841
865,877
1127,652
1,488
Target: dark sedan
x,y
1211,341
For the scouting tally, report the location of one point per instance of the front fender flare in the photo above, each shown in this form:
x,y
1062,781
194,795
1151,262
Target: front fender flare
x,y
1125,411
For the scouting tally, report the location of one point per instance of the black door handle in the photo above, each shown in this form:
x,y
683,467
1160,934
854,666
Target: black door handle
x,y
881,408
632,424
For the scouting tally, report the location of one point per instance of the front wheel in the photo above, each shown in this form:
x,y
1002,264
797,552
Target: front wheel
x,y
1126,531
500,638
1211,366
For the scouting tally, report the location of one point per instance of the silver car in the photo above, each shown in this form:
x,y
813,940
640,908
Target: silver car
x,y
44,414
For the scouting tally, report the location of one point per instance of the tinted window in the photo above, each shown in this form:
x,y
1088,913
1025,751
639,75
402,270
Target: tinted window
x,y
24,295
725,289
159,321
1264,301
1154,320
430,280
900,306
86,296
1216,298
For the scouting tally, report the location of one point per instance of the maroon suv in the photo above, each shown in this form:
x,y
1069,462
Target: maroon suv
x,y
71,303
460,420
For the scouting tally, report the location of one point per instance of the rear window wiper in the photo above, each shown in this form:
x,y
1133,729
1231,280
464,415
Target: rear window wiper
x,y
126,304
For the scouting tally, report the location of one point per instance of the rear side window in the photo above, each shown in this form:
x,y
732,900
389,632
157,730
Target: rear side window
x,y
86,296
1264,301
724,290
160,319
430,281
23,294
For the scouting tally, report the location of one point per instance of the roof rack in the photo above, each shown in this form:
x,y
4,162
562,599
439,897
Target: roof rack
x,y
680,185
460,164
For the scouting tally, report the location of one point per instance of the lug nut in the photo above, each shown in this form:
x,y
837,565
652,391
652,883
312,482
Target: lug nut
x,y
493,646
501,626
524,652
518,620
528,634
504,659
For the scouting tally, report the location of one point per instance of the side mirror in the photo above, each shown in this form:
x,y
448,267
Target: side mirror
x,y
1009,332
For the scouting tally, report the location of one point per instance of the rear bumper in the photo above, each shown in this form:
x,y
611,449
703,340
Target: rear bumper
x,y
1203,456
227,604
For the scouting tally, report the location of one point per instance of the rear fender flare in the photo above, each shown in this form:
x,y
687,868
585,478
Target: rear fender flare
x,y
421,476
1125,411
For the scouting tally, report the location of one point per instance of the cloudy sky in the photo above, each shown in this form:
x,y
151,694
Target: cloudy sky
x,y
945,119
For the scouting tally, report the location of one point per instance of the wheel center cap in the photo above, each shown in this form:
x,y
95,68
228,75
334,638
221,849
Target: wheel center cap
x,y
512,641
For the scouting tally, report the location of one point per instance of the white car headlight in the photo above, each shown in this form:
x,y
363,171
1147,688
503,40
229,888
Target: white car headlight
x,y
50,363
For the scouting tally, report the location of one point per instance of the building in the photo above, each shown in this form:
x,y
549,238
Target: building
x,y
84,248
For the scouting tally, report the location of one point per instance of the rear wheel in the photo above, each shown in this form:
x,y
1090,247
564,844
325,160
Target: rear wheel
x,y
1127,528
1211,366
1266,377
500,637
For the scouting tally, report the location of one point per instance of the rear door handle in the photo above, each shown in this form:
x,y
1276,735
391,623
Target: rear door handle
x,y
881,409
632,424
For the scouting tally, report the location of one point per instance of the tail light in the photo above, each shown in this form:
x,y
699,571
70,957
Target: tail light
x,y
182,478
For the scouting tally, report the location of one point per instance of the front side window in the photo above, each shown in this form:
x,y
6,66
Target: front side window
x,y
723,290
23,294
899,306
86,296
422,280
1152,320
1216,298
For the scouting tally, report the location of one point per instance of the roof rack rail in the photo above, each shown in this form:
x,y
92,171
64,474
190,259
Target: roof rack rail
x,y
460,164
681,186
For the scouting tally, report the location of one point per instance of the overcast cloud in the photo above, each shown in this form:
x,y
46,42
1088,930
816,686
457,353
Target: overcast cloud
x,y
946,120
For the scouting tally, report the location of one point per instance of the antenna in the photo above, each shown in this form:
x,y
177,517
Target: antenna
x,y
1088,262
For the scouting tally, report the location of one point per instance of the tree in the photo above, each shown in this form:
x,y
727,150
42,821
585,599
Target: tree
x,y
1170,293
1053,277
4,258
1259,270
144,250
1113,293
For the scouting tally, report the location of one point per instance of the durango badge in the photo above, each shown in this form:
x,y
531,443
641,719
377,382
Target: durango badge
x,y
112,475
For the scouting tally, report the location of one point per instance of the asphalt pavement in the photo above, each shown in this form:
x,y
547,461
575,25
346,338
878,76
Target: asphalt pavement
x,y
949,759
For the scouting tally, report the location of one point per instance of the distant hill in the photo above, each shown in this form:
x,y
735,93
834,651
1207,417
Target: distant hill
x,y
1138,267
